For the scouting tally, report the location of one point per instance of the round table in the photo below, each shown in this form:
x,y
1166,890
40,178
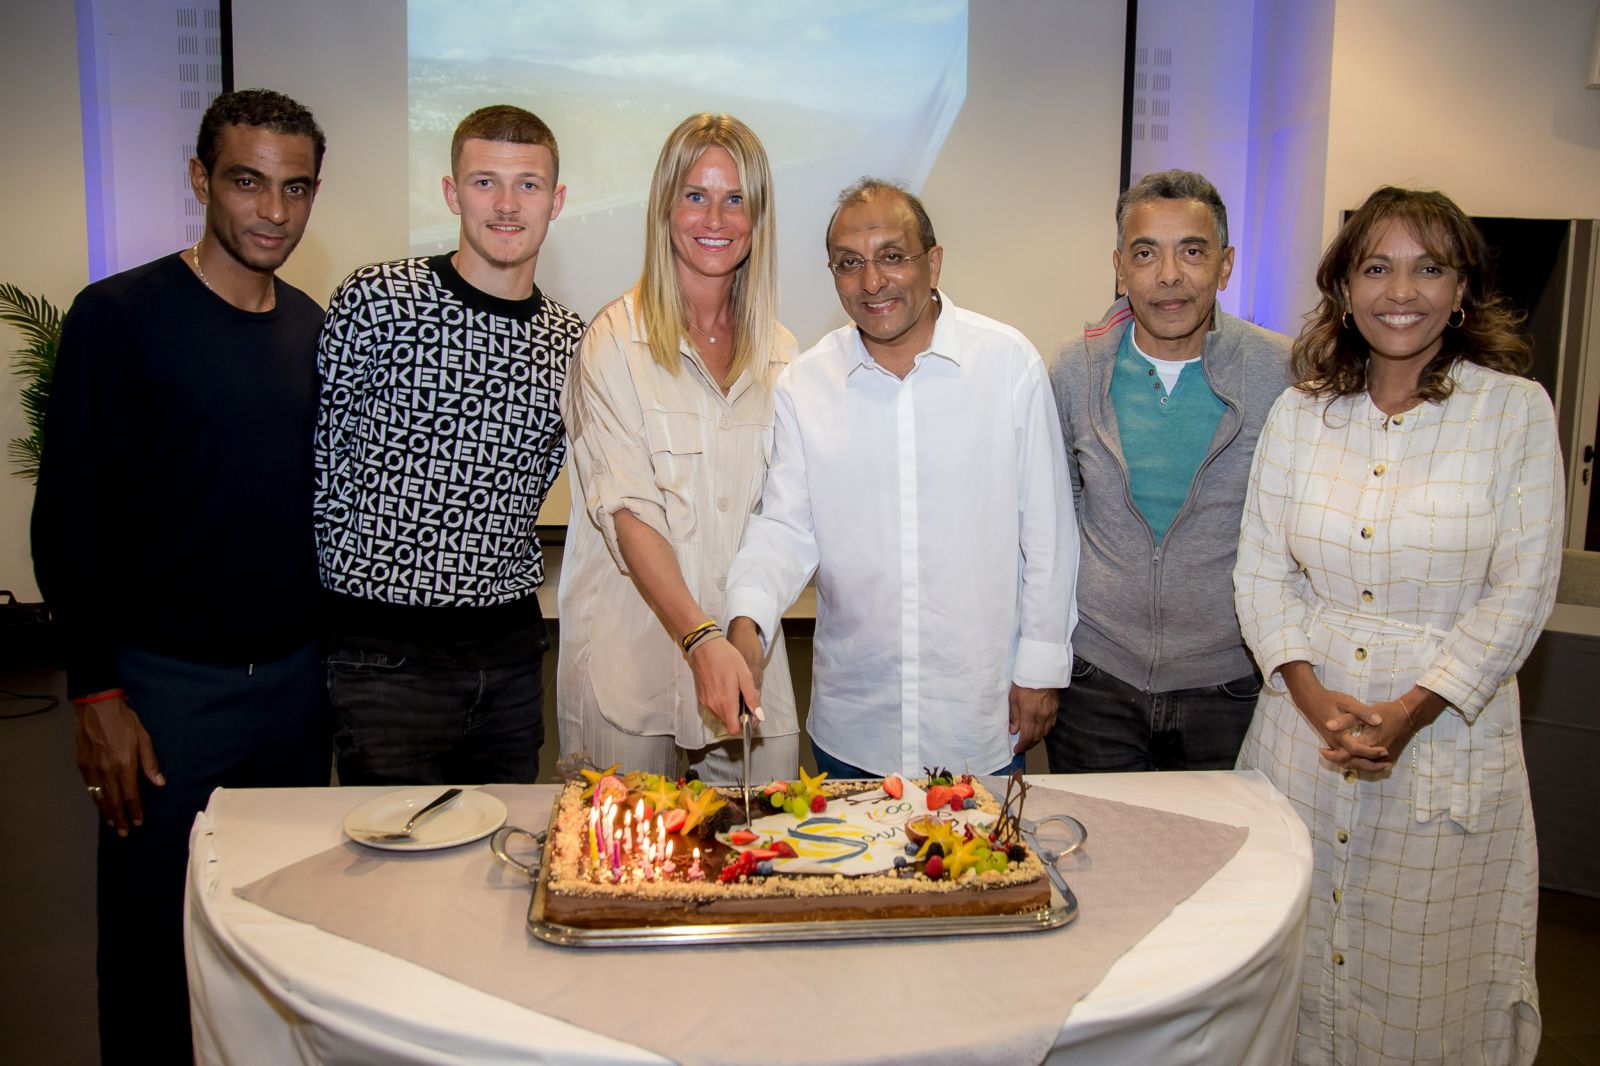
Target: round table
x,y
1216,981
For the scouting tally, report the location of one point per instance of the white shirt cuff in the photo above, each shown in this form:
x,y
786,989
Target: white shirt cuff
x,y
759,607
1041,665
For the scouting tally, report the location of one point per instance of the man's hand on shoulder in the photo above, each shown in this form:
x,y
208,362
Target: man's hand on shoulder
x,y
112,750
1033,712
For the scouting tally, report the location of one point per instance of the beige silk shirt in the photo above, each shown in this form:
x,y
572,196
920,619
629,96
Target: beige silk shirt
x,y
689,463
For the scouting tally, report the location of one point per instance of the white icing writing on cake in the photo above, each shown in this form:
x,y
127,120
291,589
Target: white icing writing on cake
x,y
856,837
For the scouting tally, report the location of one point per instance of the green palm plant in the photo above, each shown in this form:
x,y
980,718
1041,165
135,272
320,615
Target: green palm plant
x,y
39,322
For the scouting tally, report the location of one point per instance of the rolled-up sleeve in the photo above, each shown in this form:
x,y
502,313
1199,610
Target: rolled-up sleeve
x,y
605,433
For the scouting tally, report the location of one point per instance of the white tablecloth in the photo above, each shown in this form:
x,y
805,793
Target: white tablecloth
x,y
1218,981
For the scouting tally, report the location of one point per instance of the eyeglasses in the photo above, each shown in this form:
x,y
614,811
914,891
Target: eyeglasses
x,y
889,262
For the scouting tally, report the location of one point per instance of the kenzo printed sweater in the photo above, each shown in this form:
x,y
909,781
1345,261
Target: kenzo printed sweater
x,y
438,436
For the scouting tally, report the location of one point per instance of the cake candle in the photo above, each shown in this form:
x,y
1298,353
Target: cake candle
x,y
695,873
594,847
667,866
627,832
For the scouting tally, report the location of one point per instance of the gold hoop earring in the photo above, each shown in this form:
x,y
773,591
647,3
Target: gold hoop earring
x,y
1457,318
1348,320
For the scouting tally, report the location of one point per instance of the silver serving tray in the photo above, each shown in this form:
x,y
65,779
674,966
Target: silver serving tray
x,y
1062,910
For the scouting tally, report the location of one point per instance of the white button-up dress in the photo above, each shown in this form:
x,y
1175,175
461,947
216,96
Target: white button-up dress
x,y
1424,549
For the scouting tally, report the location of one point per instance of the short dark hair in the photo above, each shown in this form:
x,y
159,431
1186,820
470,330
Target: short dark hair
x,y
503,122
255,107
868,188
1174,185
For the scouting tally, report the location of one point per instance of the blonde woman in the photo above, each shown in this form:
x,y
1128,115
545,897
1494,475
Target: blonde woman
x,y
669,412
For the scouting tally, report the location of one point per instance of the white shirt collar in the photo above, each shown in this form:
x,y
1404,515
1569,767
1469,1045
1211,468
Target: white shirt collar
x,y
945,343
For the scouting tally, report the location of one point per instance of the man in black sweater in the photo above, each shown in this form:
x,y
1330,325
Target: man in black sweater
x,y
438,436
172,539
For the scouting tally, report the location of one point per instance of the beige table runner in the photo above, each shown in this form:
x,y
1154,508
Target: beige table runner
x,y
957,1000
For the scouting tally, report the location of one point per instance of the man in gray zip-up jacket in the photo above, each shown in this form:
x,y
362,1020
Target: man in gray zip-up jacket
x,y
1161,404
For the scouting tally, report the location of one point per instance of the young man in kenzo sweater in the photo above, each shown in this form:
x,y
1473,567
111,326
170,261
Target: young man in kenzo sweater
x,y
438,435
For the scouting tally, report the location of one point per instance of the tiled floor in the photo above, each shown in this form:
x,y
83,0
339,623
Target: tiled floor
x,y
47,1009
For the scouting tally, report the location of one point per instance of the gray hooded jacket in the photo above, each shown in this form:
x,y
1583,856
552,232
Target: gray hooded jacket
x,y
1162,618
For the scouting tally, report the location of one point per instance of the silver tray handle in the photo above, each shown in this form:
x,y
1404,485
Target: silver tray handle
x,y
497,844
1080,834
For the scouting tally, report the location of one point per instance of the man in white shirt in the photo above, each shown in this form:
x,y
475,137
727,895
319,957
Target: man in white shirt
x,y
918,470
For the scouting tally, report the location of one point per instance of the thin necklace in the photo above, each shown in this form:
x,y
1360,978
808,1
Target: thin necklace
x,y
702,332
272,293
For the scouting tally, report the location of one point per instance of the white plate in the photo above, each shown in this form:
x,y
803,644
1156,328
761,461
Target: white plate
x,y
471,816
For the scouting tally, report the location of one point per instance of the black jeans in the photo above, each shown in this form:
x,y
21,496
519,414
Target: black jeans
x,y
398,721
210,726
1108,725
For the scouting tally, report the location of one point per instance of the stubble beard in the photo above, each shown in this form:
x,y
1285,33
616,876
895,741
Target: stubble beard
x,y
238,254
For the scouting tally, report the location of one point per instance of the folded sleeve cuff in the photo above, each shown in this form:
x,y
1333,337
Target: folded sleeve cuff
x,y
604,516
757,605
1465,690
1042,665
1285,646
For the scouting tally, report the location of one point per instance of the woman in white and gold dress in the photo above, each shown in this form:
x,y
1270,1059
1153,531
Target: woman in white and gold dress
x,y
668,410
1398,557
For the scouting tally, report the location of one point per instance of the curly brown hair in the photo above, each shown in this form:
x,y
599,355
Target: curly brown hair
x,y
1331,360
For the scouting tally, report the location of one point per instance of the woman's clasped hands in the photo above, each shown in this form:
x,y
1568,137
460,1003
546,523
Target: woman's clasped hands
x,y
1356,735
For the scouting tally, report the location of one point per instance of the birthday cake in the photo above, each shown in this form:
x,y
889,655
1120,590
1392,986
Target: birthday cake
x,y
639,850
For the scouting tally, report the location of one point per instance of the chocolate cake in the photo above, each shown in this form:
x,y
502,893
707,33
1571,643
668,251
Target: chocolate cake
x,y
600,873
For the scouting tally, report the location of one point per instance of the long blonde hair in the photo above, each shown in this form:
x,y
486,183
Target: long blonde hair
x,y
755,284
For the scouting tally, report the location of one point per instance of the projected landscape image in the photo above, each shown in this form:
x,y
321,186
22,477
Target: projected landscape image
x,y
833,92
609,128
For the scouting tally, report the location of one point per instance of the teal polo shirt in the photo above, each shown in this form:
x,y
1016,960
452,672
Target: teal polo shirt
x,y
1165,435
